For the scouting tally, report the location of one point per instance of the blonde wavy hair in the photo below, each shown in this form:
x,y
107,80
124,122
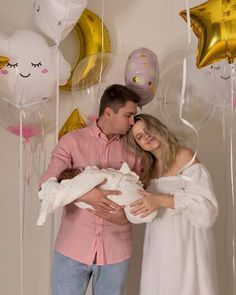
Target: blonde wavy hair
x,y
169,146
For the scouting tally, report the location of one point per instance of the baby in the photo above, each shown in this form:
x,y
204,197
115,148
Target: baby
x,y
68,173
74,183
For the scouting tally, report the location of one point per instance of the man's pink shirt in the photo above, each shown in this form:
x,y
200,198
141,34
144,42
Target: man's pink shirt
x,y
82,234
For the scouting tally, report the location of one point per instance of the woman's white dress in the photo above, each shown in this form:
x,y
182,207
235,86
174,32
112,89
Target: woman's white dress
x,y
179,256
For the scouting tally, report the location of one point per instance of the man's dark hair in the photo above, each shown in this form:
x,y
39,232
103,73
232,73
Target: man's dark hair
x,y
116,96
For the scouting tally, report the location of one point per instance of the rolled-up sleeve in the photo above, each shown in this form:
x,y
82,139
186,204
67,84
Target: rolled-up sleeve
x,y
60,159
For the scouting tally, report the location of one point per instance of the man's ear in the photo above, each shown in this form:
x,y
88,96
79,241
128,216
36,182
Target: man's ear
x,y
108,111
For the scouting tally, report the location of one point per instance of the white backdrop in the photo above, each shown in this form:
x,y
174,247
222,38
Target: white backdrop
x,y
131,24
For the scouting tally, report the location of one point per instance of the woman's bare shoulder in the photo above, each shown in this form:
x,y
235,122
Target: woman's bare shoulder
x,y
184,156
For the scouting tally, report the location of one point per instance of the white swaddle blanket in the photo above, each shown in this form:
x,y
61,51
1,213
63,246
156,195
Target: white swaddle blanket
x,y
56,195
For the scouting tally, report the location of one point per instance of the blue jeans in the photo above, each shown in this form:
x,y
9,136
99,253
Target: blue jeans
x,y
71,277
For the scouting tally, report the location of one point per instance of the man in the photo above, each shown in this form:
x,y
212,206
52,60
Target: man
x,y
88,244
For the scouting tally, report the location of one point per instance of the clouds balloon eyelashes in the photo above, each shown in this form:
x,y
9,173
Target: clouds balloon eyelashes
x,y
36,65
12,65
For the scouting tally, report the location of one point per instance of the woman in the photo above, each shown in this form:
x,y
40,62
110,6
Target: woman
x,y
178,256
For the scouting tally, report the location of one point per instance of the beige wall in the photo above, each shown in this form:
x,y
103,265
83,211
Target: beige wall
x,y
132,24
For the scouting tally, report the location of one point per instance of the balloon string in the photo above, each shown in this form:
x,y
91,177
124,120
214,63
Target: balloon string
x,y
188,22
57,95
121,39
182,96
226,220
41,122
187,123
57,132
232,168
102,26
103,55
165,101
42,150
21,206
28,157
39,161
223,110
42,142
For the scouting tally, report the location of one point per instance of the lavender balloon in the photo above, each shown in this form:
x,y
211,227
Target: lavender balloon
x,y
142,74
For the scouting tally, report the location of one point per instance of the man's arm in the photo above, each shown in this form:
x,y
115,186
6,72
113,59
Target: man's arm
x,y
118,217
60,159
97,198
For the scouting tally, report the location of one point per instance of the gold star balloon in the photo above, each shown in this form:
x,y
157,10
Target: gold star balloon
x,y
74,121
3,61
214,23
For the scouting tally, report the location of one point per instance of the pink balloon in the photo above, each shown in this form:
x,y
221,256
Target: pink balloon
x,y
142,74
27,131
38,119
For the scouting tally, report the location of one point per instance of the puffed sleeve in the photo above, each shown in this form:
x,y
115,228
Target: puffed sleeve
x,y
196,199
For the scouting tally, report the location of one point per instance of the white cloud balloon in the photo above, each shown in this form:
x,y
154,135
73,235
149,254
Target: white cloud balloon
x,y
31,73
56,18
221,73
212,82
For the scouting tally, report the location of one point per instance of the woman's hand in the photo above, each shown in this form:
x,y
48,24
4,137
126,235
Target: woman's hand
x,y
150,203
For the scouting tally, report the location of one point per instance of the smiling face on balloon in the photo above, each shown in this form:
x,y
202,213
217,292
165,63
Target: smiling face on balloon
x,y
222,70
30,74
221,74
16,67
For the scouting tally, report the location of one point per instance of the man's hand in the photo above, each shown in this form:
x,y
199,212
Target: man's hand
x,y
118,218
97,198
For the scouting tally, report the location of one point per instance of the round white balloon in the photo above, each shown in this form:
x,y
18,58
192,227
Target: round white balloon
x,y
91,77
196,108
31,73
56,18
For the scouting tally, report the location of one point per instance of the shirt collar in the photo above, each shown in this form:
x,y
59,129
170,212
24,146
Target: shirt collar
x,y
98,132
